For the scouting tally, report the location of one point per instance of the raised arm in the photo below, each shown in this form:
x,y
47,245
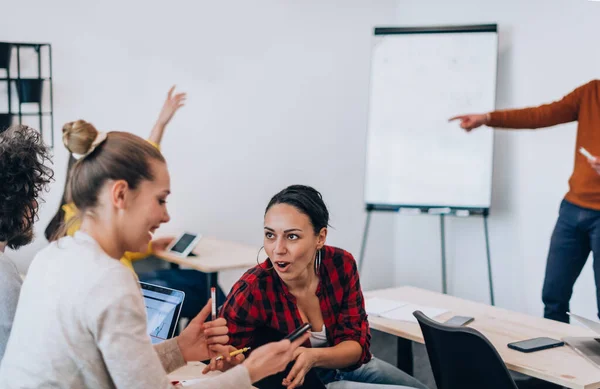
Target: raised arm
x,y
171,105
561,111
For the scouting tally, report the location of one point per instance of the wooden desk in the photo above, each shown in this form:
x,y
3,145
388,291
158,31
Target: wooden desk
x,y
561,365
215,255
192,370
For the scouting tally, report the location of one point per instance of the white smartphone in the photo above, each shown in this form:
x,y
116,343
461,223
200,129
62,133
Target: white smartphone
x,y
184,244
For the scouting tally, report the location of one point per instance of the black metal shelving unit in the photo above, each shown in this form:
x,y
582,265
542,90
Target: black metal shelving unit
x,y
30,90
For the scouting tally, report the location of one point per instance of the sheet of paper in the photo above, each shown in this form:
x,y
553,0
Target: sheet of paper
x,y
405,313
377,306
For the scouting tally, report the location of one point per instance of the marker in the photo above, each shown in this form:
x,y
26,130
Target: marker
x,y
234,353
586,153
439,211
213,296
187,382
410,211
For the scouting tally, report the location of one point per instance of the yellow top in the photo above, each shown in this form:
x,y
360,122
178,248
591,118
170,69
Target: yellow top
x,y
71,211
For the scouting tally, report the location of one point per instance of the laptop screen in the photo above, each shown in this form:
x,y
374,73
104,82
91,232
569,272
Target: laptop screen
x,y
163,306
591,324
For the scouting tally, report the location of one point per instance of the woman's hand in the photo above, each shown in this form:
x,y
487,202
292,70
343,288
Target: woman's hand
x,y
171,105
306,359
200,341
226,363
272,358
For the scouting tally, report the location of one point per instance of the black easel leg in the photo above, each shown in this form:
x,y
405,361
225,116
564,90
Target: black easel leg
x,y
489,261
443,240
364,241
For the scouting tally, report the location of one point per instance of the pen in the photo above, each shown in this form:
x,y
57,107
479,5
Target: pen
x,y
213,296
186,382
234,353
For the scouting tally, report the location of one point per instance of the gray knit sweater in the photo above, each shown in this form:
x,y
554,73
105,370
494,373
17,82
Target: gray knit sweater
x,y
10,286
81,323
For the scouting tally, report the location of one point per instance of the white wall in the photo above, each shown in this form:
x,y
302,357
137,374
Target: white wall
x,y
547,48
278,94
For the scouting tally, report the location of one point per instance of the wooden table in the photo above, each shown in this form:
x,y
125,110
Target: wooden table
x,y
192,370
213,255
561,365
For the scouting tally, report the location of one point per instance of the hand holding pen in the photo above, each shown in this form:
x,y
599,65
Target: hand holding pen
x,y
202,340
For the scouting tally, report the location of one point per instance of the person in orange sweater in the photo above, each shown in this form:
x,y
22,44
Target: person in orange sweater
x,y
577,230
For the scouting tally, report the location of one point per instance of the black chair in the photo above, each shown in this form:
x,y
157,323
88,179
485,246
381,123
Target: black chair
x,y
462,358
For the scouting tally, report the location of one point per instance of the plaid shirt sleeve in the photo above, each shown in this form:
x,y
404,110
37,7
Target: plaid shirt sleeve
x,y
352,321
242,312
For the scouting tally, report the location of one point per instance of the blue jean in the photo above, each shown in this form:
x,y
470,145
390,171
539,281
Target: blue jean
x,y
375,374
577,232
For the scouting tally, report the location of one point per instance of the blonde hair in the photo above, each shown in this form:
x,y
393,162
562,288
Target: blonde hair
x,y
121,156
78,136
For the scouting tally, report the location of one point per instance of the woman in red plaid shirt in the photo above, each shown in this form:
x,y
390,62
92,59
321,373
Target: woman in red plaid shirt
x,y
305,281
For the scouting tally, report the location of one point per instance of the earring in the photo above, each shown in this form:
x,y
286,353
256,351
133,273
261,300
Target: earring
x,y
258,255
318,262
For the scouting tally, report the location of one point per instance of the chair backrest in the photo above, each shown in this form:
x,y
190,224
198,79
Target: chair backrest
x,y
461,357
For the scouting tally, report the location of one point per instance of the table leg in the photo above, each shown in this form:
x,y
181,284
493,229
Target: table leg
x,y
404,360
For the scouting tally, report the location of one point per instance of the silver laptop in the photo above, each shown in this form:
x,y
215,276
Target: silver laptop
x,y
588,347
591,324
163,306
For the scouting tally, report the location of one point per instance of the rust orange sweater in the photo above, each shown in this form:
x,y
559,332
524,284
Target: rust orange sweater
x,y
582,105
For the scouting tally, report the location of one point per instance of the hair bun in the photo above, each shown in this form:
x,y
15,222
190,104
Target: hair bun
x,y
78,136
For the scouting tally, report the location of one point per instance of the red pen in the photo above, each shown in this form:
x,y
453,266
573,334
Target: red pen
x,y
213,296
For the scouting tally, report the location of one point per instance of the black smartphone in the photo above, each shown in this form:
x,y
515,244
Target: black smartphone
x,y
459,321
535,344
298,332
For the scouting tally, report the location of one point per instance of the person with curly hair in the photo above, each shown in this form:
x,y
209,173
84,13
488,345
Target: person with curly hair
x,y
23,176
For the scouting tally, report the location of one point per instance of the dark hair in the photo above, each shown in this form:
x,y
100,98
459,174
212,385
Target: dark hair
x,y
122,156
306,200
23,175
